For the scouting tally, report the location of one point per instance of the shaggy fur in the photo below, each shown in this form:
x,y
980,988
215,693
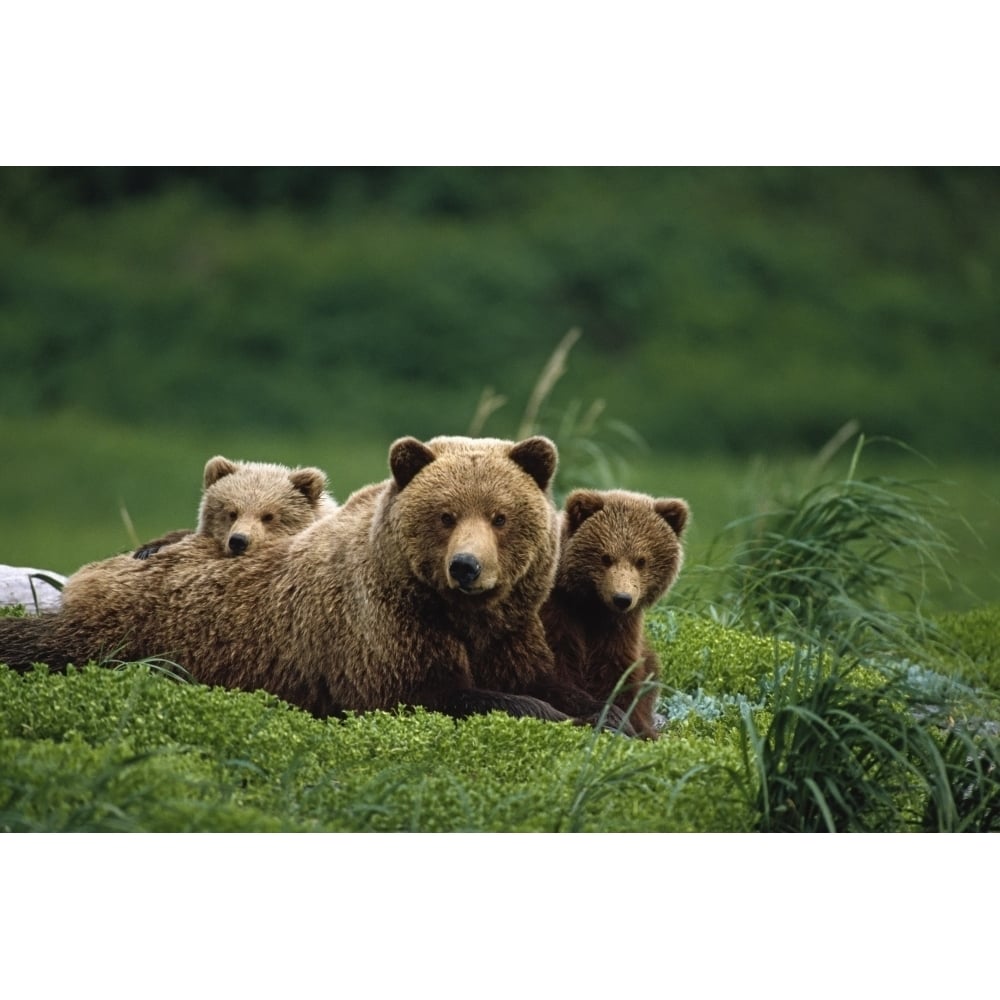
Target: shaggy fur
x,y
620,553
243,503
421,590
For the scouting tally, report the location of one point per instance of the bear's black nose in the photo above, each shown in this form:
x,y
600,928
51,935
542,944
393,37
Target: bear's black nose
x,y
238,544
464,569
622,601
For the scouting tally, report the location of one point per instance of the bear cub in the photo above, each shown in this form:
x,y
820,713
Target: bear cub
x,y
244,503
620,553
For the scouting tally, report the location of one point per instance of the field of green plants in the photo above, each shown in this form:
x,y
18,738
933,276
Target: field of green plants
x,y
807,356
762,735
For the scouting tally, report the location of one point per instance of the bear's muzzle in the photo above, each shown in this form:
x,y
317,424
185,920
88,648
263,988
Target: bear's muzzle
x,y
238,544
465,570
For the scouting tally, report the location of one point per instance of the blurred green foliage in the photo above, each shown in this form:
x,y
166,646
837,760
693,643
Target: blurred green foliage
x,y
721,309
976,634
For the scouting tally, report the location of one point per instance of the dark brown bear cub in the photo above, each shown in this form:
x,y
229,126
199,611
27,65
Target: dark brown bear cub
x,y
621,552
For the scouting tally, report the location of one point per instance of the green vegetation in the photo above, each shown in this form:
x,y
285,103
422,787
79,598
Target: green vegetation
x,y
847,562
761,737
131,749
721,310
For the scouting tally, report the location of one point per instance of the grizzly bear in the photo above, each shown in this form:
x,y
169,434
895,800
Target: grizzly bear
x,y
420,590
620,553
245,502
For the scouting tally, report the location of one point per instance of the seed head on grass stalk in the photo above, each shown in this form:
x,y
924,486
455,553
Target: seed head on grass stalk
x,y
584,459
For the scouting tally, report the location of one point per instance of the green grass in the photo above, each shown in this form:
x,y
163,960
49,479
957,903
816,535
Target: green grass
x,y
132,750
724,490
847,562
837,752
762,736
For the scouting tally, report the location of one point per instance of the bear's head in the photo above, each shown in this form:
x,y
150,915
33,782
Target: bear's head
x,y
244,503
621,547
474,516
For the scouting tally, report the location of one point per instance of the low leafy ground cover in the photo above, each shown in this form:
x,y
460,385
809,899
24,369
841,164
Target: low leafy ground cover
x,y
762,735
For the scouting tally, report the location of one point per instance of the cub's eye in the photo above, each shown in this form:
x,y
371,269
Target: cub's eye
x,y
267,518
499,521
448,520
607,560
232,515
640,563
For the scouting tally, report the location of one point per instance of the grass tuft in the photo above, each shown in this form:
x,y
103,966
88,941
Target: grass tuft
x,y
837,754
592,449
846,564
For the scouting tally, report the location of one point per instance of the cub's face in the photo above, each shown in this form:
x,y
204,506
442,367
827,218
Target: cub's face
x,y
622,548
255,502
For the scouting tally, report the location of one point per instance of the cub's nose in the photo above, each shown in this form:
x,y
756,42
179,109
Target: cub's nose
x,y
464,569
238,544
622,601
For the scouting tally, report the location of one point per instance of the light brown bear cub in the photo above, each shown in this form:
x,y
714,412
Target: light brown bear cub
x,y
243,503
621,552
424,589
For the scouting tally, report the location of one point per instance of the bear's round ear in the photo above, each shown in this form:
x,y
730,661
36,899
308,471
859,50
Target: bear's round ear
x,y
309,482
580,505
674,511
407,457
538,457
216,468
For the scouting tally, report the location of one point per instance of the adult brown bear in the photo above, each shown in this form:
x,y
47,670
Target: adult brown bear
x,y
413,592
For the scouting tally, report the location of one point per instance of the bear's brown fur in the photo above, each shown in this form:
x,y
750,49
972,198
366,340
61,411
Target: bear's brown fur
x,y
620,553
243,503
421,590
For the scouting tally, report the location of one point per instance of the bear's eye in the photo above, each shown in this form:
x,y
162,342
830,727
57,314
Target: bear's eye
x,y
232,515
640,563
267,518
607,560
499,520
448,520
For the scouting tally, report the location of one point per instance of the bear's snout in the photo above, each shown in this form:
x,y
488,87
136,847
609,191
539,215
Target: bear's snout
x,y
622,601
238,544
464,569
621,588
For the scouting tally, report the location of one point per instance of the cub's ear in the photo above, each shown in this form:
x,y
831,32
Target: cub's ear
x,y
674,511
407,457
580,505
216,468
538,457
309,482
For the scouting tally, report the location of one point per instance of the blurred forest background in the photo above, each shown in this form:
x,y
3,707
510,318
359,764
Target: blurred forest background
x,y
732,322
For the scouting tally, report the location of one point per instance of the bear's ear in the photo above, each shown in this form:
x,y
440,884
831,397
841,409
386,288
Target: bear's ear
x,y
675,512
407,457
538,457
309,482
580,505
216,468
